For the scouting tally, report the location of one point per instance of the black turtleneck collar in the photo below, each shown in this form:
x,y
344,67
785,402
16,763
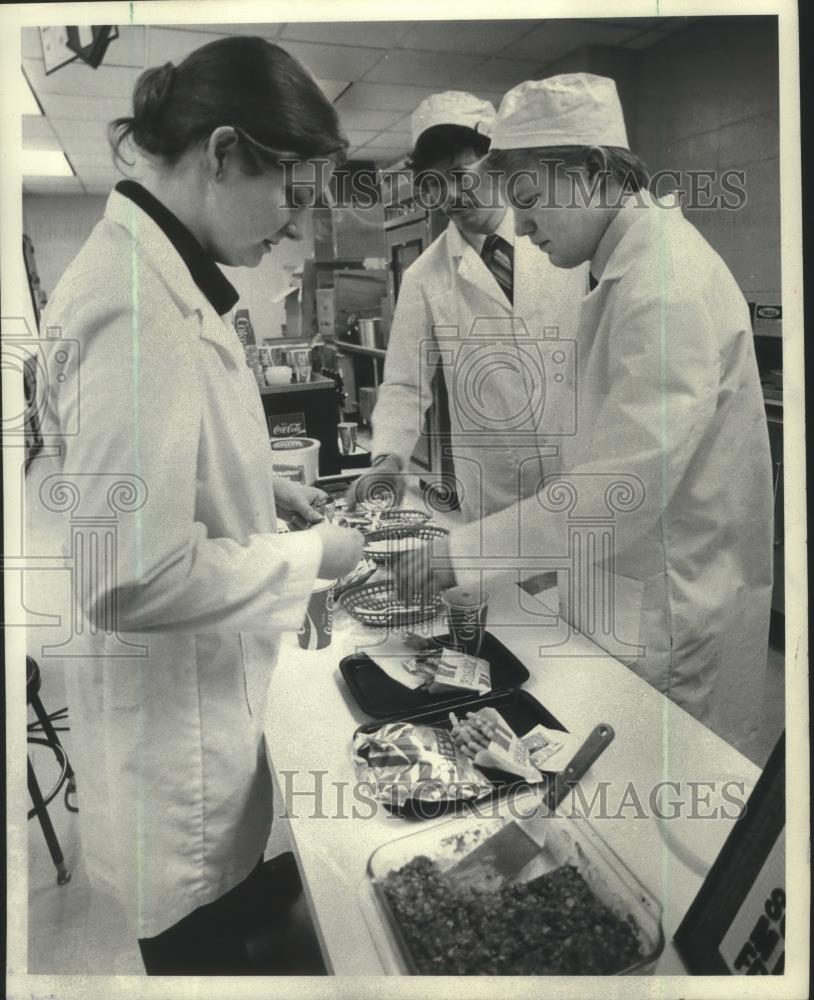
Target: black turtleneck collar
x,y
205,272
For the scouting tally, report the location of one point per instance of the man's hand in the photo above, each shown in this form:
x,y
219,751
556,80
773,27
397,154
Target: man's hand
x,y
382,482
417,575
296,503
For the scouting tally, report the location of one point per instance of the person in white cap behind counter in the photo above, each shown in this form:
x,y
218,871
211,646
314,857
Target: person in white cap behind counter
x,y
669,403
474,271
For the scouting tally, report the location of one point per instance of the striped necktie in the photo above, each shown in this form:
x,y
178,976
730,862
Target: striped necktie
x,y
498,256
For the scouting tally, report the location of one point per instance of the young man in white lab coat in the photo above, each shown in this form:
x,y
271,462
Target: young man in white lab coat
x,y
490,309
671,445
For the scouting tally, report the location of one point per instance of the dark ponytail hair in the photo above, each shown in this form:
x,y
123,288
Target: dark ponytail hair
x,y
246,82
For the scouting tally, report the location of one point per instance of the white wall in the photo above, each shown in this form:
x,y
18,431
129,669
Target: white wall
x,y
58,225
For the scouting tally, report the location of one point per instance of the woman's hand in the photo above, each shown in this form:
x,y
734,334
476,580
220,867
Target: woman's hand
x,y
341,550
296,503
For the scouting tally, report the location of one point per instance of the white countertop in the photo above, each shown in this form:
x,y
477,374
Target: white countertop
x,y
312,716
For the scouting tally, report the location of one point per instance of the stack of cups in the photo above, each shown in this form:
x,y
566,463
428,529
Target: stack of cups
x,y
253,361
316,629
466,612
300,360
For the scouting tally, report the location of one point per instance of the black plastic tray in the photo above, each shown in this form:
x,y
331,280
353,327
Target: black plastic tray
x,y
381,697
520,710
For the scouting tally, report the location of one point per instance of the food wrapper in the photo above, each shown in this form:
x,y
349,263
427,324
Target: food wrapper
x,y
404,761
439,669
455,671
550,749
506,751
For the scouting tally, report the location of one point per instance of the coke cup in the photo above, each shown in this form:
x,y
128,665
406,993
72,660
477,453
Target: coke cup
x,y
316,629
466,613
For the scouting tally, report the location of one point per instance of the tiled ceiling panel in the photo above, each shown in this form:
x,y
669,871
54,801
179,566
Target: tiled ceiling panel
x,y
376,72
335,62
556,38
375,34
79,80
382,97
500,73
479,38
101,109
402,66
271,30
368,120
38,133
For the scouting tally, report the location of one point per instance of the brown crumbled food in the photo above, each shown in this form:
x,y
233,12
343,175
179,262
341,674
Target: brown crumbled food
x,y
552,925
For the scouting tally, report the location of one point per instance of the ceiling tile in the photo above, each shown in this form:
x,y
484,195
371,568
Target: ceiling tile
x,y
129,48
358,137
555,38
52,185
102,161
368,121
334,62
640,23
82,131
30,42
385,141
79,79
402,66
173,45
101,109
377,34
333,88
646,39
270,30
482,38
499,72
37,127
383,97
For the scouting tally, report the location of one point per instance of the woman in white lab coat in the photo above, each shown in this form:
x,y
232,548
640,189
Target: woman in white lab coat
x,y
162,445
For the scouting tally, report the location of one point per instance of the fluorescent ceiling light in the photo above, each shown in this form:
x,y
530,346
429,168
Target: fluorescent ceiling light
x,y
30,106
45,163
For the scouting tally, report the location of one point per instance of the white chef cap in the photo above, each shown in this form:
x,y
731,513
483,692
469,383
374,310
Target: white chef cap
x,y
453,107
573,109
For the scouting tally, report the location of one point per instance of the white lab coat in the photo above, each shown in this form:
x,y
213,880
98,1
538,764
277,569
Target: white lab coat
x,y
669,404
494,357
174,790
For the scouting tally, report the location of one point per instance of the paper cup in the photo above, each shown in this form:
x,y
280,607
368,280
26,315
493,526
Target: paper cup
x,y
347,437
316,629
466,614
295,458
277,375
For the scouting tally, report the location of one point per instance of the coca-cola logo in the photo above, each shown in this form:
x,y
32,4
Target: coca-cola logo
x,y
287,430
466,624
284,425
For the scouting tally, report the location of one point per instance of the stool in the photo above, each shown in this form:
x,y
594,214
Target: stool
x,y
45,725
